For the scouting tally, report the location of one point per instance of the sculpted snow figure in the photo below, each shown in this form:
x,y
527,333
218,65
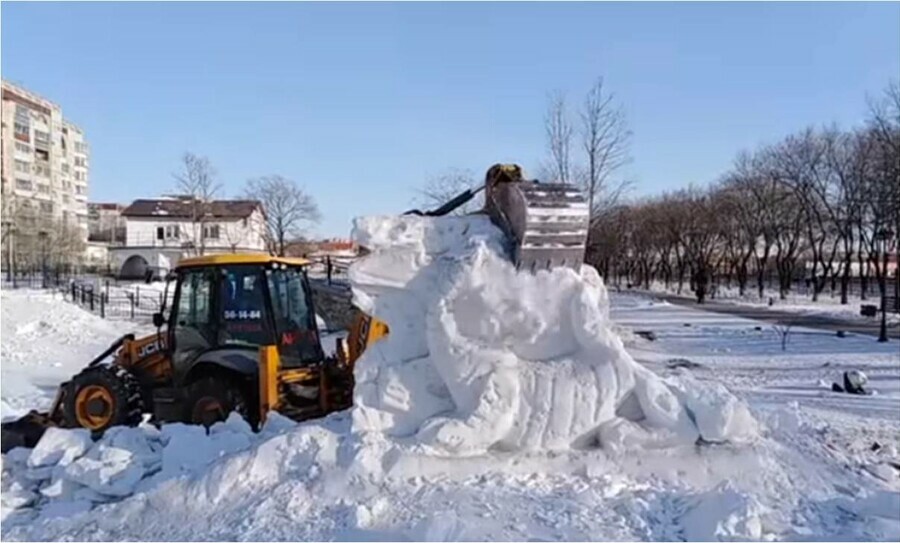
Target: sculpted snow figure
x,y
480,356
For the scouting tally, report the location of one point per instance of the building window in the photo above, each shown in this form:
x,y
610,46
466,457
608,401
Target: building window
x,y
47,207
22,166
22,131
211,231
43,189
160,232
23,147
65,168
23,184
78,189
79,176
40,135
79,161
43,171
172,231
66,198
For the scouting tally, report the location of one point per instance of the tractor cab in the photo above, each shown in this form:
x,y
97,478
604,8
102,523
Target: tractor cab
x,y
242,302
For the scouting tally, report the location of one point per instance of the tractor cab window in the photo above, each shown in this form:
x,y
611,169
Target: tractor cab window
x,y
243,307
296,334
194,327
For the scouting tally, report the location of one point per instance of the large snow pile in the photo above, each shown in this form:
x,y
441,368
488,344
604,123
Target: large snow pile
x,y
46,340
482,357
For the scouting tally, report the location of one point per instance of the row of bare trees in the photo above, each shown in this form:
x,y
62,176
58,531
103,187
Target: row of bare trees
x,y
822,204
289,211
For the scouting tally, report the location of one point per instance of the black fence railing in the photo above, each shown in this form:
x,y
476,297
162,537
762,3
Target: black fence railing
x,y
115,303
106,297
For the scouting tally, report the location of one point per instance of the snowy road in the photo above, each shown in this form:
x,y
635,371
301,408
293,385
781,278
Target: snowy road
x,y
836,320
812,475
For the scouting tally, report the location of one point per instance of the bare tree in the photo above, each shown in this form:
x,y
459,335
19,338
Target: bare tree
x,y
196,181
605,139
289,210
701,239
559,137
800,163
441,188
881,228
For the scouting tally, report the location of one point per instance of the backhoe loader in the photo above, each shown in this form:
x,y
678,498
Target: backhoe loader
x,y
241,333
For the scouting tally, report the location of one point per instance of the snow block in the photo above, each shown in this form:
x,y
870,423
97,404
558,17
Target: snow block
x,y
723,514
107,470
59,446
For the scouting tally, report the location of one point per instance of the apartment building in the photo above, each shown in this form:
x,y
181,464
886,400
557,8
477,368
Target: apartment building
x,y
44,166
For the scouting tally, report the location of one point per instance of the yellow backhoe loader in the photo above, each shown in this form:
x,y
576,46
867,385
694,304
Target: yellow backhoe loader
x,y
240,334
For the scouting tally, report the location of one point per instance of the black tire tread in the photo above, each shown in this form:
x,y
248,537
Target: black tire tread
x,y
124,387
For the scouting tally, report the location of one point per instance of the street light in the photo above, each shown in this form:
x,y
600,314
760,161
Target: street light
x,y
42,235
10,241
883,236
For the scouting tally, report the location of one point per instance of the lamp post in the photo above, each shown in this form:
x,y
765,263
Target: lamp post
x,y
10,241
883,236
42,235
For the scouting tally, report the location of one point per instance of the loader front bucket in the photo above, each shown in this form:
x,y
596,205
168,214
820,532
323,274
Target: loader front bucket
x,y
26,431
546,223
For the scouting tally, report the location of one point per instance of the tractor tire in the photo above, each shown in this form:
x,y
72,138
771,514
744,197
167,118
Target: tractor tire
x,y
101,397
211,399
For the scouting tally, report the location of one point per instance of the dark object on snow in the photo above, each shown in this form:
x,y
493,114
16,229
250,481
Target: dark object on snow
x,y
841,333
24,432
682,363
868,310
875,446
686,324
649,335
771,301
853,383
758,328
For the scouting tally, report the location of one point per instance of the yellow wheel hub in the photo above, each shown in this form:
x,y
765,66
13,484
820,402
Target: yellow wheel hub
x,y
94,407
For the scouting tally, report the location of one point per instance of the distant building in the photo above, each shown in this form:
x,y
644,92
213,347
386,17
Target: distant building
x,y
159,232
105,222
44,165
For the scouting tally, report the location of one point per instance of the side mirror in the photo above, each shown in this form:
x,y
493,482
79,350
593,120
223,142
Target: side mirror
x,y
158,320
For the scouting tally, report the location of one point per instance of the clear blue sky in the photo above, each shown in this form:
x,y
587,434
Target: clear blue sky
x,y
361,102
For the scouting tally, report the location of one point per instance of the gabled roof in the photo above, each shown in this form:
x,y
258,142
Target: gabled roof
x,y
182,208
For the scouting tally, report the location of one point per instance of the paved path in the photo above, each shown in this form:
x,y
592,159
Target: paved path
x,y
784,317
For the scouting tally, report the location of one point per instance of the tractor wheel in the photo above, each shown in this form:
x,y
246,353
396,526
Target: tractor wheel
x,y
212,399
101,397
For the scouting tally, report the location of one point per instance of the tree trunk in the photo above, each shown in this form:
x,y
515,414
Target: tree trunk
x,y
845,279
863,278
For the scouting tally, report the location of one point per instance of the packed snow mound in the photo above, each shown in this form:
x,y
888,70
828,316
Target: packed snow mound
x,y
481,356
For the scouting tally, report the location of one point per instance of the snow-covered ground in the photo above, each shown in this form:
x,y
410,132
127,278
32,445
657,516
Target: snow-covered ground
x,y
806,465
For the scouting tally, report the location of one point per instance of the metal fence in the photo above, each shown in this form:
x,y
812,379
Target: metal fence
x,y
107,297
116,302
